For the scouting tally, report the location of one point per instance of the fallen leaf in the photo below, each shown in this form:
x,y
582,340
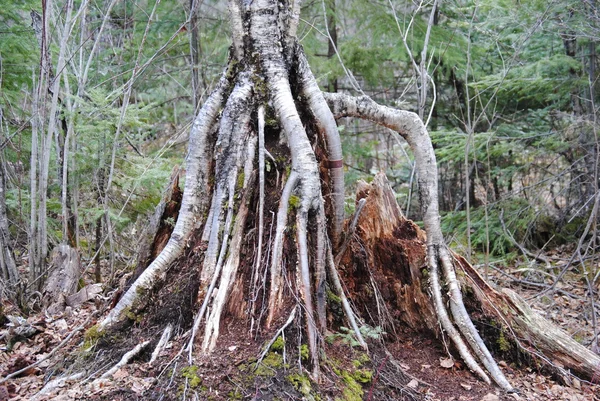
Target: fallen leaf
x,y
490,397
120,374
576,384
466,386
413,384
446,363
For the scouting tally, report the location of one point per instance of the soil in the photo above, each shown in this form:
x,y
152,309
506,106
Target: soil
x,y
413,367
407,363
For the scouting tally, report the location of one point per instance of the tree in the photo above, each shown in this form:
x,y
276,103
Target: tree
x,y
267,88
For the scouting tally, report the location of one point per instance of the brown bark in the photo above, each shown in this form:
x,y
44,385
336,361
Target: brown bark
x,y
157,234
389,252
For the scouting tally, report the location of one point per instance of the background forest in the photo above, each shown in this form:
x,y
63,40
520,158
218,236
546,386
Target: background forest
x,y
94,117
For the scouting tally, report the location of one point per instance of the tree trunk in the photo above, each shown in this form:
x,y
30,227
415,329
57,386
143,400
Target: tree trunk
x,y
9,275
268,104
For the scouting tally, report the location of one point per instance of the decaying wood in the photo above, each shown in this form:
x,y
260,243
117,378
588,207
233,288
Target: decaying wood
x,y
87,293
65,272
156,235
530,332
452,315
393,248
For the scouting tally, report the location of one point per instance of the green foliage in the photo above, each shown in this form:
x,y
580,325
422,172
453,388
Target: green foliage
x,y
18,53
347,335
269,365
191,373
278,344
545,82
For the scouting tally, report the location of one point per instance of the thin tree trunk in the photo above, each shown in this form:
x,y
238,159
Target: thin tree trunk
x,y
8,268
194,53
332,85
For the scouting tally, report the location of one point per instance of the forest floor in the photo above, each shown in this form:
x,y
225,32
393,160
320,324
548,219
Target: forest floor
x,y
411,367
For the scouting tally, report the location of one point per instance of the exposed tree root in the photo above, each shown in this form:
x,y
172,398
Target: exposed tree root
x,y
193,204
532,334
382,230
411,128
268,74
164,339
276,258
125,359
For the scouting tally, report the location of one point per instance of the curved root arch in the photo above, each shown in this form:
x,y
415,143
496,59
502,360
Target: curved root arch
x,y
411,128
265,50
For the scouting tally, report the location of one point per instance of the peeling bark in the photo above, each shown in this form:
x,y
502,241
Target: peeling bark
x,y
389,257
193,204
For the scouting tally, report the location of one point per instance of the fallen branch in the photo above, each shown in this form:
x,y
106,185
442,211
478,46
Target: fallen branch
x,y
161,343
125,359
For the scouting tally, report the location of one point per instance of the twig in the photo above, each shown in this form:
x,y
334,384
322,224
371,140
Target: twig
x,y
335,279
280,331
516,280
125,359
539,257
376,377
351,229
161,343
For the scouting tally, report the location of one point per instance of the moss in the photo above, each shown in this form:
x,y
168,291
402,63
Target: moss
x,y
129,314
191,373
303,385
332,298
278,344
362,376
503,343
300,383
91,336
240,181
294,202
268,366
362,359
353,379
304,353
234,395
353,390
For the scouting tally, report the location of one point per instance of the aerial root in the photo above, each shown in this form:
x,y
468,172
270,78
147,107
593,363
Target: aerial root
x,y
444,318
261,205
320,272
277,256
229,158
327,125
228,275
193,203
337,285
164,339
311,328
411,128
231,141
465,325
